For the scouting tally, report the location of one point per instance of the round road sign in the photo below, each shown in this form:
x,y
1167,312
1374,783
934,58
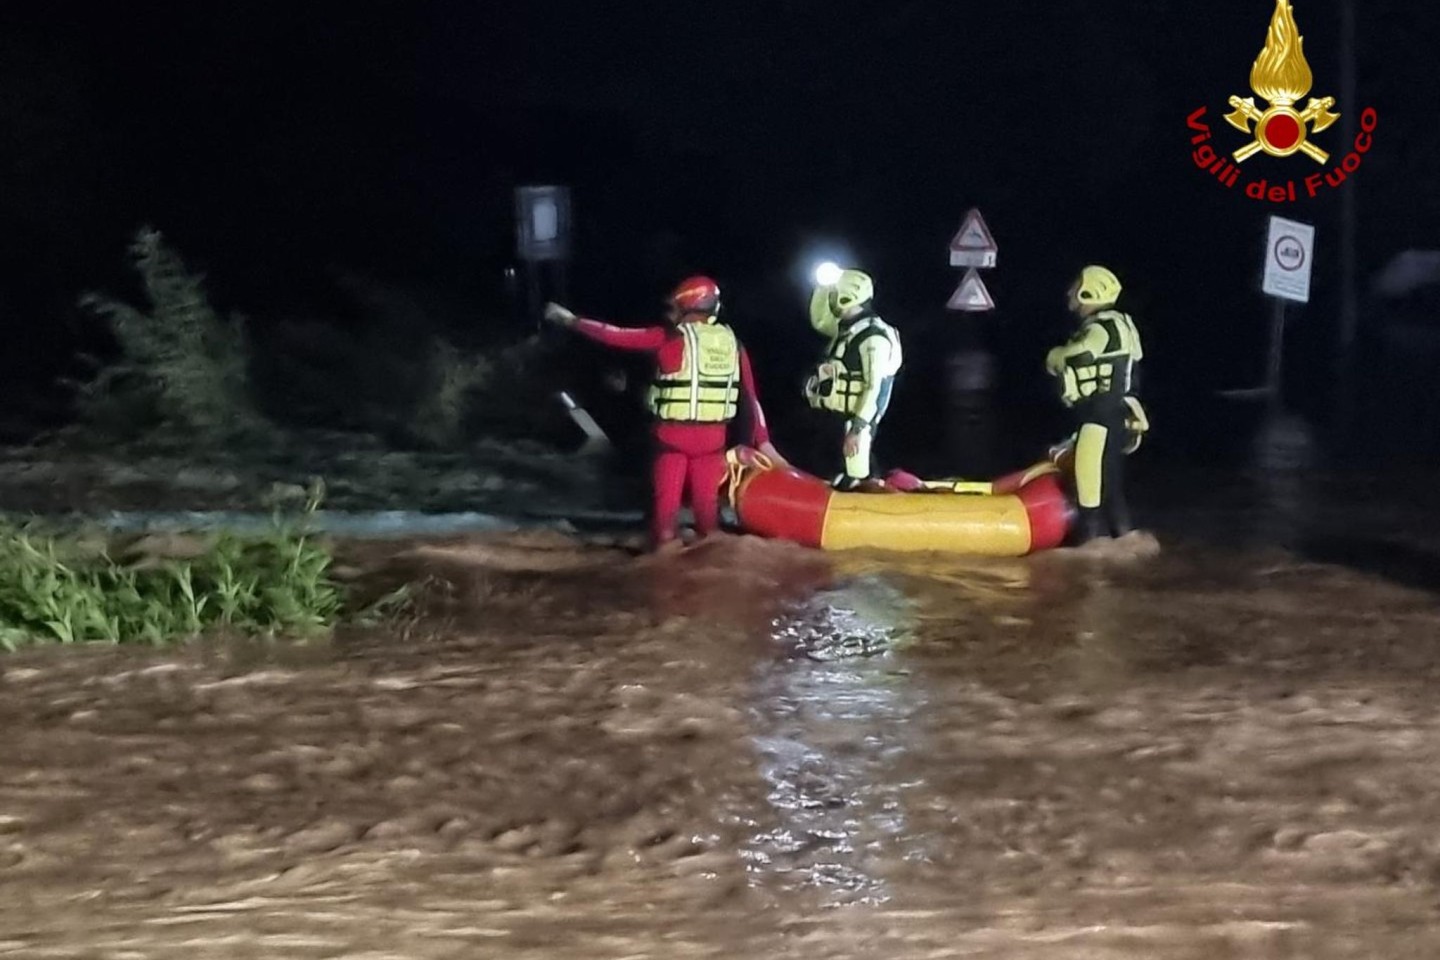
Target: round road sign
x,y
1289,253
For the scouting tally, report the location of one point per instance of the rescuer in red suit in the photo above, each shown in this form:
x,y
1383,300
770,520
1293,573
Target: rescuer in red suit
x,y
702,375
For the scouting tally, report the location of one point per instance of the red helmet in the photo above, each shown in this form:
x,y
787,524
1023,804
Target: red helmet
x,y
697,295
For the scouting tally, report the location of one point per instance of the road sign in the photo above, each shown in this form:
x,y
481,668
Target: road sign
x,y
542,223
971,295
1289,257
973,246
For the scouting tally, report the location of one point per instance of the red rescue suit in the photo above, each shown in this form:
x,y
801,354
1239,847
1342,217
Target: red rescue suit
x,y
690,435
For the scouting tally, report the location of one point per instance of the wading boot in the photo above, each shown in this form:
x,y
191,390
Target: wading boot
x,y
1118,515
1090,525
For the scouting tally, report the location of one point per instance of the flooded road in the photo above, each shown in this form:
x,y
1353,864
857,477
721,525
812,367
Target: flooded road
x,y
1228,750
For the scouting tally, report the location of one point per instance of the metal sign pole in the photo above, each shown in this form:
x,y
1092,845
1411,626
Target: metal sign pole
x,y
542,235
532,294
1277,356
562,280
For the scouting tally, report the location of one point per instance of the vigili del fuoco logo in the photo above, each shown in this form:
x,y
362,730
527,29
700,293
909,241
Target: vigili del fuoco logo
x,y
1281,77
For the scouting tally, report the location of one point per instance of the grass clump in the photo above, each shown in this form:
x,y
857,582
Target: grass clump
x,y
58,590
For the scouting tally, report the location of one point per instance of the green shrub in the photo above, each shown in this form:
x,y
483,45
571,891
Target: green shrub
x,y
439,419
184,360
58,589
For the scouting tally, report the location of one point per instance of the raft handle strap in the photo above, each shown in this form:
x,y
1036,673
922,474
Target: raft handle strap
x,y
736,471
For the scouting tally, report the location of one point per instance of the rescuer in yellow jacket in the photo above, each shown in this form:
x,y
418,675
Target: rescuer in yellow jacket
x,y
857,373
1097,369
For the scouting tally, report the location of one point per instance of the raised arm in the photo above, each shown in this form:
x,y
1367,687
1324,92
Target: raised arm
x,y
646,339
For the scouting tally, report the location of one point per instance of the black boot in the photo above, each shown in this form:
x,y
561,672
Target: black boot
x,y
1118,515
1089,525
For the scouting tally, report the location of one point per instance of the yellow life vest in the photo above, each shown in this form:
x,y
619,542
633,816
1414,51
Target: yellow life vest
x,y
838,384
1087,374
706,388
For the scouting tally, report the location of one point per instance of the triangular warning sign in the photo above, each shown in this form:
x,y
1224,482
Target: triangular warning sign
x,y
974,234
971,295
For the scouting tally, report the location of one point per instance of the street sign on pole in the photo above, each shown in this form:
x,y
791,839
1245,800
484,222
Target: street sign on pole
x,y
1289,258
542,223
971,295
973,246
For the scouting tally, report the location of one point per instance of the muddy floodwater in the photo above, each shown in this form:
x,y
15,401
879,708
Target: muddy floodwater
x,y
1230,749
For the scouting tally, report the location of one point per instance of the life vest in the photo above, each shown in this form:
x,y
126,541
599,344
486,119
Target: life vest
x,y
1109,373
706,388
839,382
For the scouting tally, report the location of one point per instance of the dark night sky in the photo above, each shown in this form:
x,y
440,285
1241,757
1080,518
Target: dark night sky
x,y
273,141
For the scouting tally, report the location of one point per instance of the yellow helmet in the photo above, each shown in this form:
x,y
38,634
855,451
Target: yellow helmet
x,y
829,303
853,288
1098,287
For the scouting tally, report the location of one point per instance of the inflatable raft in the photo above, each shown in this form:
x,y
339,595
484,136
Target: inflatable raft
x,y
1015,515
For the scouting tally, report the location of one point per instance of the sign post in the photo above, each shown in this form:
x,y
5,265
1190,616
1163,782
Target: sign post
x,y
542,235
1289,259
973,247
595,439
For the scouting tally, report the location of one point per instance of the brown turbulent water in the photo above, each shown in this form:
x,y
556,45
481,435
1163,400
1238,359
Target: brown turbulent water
x,y
744,751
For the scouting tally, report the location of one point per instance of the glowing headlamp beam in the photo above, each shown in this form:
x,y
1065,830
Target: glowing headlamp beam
x,y
827,274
